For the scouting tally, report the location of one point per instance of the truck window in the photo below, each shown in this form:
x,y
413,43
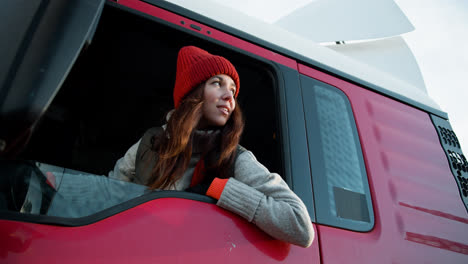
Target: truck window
x,y
120,86
341,189
43,189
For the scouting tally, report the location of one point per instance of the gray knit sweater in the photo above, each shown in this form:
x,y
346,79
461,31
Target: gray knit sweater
x,y
254,193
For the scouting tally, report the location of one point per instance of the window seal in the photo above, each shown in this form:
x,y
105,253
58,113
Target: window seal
x,y
106,213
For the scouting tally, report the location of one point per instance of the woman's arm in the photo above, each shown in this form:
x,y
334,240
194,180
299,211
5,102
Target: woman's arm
x,y
124,168
265,199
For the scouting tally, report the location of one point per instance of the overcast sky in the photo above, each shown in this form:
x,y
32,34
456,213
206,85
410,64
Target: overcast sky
x,y
439,44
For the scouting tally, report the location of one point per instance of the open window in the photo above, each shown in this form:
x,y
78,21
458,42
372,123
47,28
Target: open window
x,y
120,86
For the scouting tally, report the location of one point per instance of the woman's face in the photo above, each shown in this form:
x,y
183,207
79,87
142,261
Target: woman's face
x,y
218,101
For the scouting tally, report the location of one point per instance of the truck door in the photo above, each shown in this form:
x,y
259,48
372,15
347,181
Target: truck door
x,y
142,227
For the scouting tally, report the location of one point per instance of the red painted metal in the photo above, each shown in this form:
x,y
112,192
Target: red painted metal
x,y
213,33
167,230
419,216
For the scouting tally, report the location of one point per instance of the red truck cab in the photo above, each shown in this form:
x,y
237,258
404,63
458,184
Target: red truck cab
x,y
381,171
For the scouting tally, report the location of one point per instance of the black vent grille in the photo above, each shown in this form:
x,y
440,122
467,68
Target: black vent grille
x,y
448,137
456,159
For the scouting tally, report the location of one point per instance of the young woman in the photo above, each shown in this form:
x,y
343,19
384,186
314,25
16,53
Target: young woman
x,y
197,150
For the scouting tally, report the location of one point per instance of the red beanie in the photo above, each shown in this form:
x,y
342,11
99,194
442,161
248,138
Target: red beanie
x,y
195,66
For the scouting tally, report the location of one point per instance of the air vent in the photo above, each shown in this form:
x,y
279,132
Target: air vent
x,y
456,159
448,137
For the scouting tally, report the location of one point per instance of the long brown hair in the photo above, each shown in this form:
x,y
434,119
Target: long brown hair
x,y
174,146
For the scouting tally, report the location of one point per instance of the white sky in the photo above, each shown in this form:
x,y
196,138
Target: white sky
x,y
439,44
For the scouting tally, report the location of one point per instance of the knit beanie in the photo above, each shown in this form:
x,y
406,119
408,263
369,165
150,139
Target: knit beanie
x,y
195,66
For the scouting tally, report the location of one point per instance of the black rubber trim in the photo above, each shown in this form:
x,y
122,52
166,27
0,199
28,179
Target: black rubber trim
x,y
293,55
295,131
73,222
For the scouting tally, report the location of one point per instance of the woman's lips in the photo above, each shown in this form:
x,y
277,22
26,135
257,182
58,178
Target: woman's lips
x,y
224,109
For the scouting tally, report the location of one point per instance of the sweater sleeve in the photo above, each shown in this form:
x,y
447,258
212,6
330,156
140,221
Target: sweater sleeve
x,y
124,168
265,199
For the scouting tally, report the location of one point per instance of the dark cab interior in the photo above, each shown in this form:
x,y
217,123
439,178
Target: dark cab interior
x,y
121,85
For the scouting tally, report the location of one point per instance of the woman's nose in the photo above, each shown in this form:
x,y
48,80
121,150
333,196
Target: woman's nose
x,y
227,95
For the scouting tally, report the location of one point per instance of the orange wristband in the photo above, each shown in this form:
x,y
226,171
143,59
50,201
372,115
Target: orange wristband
x,y
216,188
